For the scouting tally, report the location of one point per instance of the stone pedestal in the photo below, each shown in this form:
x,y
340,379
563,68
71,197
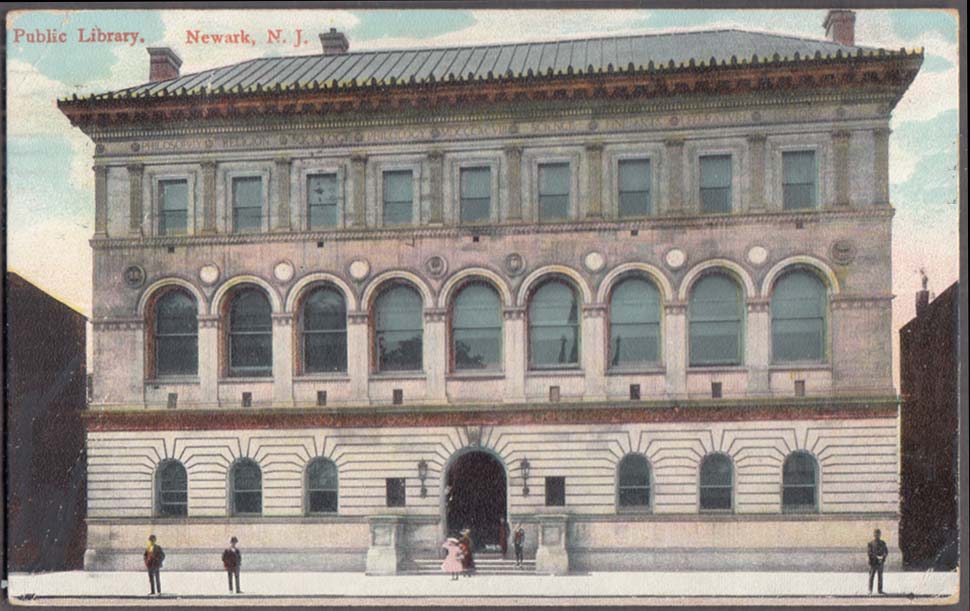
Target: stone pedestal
x,y
551,555
384,552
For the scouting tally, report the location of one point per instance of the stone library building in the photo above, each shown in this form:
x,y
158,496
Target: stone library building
x,y
631,294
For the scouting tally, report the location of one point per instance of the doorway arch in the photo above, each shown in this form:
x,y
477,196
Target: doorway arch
x,y
475,496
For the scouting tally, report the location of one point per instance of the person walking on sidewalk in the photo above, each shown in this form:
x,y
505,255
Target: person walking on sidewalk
x,y
877,551
232,560
154,556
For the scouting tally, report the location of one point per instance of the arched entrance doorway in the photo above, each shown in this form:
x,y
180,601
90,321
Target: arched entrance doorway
x,y
475,497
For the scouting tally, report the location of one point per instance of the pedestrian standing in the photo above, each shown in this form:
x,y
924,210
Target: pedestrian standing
x,y
503,537
877,551
518,540
467,556
154,556
232,560
453,563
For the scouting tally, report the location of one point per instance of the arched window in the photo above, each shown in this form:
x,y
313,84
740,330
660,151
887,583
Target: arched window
x,y
321,486
176,328
717,483
715,321
171,490
799,483
250,334
633,481
323,325
798,305
634,324
554,326
476,328
246,481
398,329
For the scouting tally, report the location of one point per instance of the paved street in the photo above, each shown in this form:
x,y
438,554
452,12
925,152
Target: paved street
x,y
703,588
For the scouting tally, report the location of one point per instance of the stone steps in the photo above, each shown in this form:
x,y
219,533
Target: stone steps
x,y
483,566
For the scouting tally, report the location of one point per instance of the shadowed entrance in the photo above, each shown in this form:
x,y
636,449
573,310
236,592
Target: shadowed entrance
x,y
476,497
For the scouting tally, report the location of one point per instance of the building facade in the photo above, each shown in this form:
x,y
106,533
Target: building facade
x,y
632,293
929,432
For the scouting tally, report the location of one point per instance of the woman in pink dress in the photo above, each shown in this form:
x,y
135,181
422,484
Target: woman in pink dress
x,y
452,563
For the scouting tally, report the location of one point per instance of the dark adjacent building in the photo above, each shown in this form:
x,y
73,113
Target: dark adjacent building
x,y
929,379
45,395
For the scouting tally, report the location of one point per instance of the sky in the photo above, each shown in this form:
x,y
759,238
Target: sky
x,y
50,183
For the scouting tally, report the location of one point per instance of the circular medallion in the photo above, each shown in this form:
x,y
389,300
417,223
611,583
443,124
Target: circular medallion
x,y
675,258
208,273
842,252
134,276
283,271
594,261
359,269
514,264
436,266
757,255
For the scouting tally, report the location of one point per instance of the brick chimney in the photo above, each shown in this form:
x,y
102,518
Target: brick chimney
x,y
922,296
334,42
163,64
840,26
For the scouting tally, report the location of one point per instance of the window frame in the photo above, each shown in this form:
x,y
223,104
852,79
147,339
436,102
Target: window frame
x,y
159,490
618,192
388,286
302,170
307,489
701,486
451,189
307,209
650,487
815,174
231,177
402,481
163,175
732,186
824,352
230,371
546,491
641,365
534,158
569,194
383,171
469,167
233,490
153,336
302,333
815,507
742,321
452,308
578,300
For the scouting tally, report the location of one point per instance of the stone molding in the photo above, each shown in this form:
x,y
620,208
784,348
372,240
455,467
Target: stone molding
x,y
358,318
208,322
860,302
594,310
758,305
517,313
435,314
282,319
118,324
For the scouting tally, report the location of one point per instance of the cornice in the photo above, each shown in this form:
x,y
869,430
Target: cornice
x,y
510,229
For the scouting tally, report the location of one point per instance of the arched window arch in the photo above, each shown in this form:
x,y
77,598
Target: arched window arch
x,y
323,331
799,301
476,328
715,312
716,483
250,333
633,482
634,323
175,334
321,486
398,329
799,483
171,490
554,326
246,488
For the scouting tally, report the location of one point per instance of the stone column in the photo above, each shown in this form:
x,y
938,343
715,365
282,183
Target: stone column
x,y
552,557
209,359
880,173
756,143
384,552
100,200
283,359
358,357
209,197
513,154
840,148
436,173
282,177
675,175
675,349
435,355
594,159
593,357
136,173
514,354
757,347
358,178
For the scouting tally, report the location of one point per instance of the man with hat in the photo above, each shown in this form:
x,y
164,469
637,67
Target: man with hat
x,y
232,560
877,552
154,555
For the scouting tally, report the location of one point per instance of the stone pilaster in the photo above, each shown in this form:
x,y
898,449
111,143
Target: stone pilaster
x,y
136,174
100,200
436,171
593,358
675,349
514,354
358,356
435,354
675,175
283,359
358,178
757,347
209,359
209,197
756,145
282,178
880,174
594,160
840,148
513,155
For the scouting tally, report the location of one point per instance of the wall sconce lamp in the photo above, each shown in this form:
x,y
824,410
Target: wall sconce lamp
x,y
423,475
524,466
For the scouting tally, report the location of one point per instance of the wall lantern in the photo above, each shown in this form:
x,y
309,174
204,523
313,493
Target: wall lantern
x,y
423,475
524,466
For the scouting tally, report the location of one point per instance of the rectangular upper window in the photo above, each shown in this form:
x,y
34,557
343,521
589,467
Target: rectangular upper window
x,y
715,183
555,491
798,180
634,187
395,490
321,196
247,204
476,200
398,197
553,191
173,207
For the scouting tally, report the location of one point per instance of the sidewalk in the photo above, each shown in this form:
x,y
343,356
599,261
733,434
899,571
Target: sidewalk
x,y
210,588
